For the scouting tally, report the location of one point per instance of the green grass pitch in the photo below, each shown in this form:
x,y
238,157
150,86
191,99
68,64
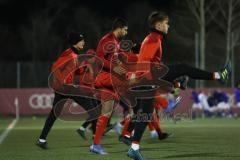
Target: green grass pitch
x,y
208,139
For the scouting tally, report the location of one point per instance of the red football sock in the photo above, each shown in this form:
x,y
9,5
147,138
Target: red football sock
x,y
101,125
128,134
135,142
126,125
150,126
156,122
122,122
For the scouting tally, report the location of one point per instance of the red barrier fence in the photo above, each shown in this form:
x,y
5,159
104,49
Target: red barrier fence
x,y
38,101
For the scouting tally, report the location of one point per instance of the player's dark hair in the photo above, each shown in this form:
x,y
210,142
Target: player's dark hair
x,y
157,16
119,23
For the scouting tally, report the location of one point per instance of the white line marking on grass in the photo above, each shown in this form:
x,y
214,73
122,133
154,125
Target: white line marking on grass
x,y
7,130
12,124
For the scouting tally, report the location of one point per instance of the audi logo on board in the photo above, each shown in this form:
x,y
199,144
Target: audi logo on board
x,y
41,101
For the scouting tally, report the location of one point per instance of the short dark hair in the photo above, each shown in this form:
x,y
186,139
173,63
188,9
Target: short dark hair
x,y
157,16
119,23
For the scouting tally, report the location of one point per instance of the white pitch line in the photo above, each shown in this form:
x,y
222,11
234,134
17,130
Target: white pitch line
x,y
7,130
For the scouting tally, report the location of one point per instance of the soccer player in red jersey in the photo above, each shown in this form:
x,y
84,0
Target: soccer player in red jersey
x,y
76,40
108,47
151,52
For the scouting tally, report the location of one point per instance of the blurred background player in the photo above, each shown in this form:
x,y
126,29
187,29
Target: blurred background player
x,y
212,106
165,103
197,107
237,101
237,96
209,104
223,106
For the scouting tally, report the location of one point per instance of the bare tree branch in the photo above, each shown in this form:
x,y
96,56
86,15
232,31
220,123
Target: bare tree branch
x,y
236,16
180,15
192,5
235,26
219,23
209,6
235,39
220,6
236,3
212,17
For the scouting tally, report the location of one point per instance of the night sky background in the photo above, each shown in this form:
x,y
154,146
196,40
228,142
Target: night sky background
x,y
35,31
